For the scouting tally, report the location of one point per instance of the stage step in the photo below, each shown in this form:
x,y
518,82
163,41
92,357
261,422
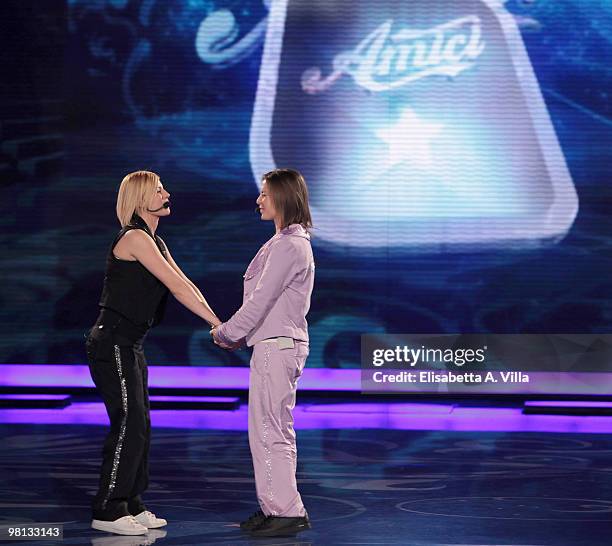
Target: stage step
x,y
33,401
197,380
195,402
567,407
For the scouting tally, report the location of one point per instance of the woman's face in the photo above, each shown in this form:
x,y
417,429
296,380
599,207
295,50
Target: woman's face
x,y
266,204
157,201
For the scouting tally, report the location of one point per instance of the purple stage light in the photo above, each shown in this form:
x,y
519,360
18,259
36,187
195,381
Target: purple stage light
x,y
370,408
178,377
328,416
313,379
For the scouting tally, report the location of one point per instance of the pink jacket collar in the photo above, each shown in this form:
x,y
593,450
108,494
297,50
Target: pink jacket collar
x,y
296,230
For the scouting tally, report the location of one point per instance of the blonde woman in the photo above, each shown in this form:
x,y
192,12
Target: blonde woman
x,y
140,272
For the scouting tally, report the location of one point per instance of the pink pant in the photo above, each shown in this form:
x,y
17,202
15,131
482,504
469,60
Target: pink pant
x,y
272,389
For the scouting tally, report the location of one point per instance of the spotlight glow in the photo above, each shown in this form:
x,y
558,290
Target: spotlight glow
x,y
410,139
416,124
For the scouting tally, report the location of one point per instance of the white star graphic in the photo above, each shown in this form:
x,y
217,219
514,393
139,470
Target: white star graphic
x,y
409,139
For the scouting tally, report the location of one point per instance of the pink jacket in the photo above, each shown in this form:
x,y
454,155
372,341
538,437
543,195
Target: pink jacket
x,y
277,288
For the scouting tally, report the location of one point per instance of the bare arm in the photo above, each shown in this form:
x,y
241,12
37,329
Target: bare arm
x,y
142,248
176,268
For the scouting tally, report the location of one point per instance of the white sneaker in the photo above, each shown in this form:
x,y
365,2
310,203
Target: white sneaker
x,y
150,520
126,525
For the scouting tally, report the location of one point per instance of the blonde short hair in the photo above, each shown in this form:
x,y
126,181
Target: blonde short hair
x,y
135,192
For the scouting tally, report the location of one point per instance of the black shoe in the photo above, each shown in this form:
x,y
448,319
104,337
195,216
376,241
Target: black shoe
x,y
276,526
255,520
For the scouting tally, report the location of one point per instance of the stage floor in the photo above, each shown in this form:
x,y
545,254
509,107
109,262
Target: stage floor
x,y
360,486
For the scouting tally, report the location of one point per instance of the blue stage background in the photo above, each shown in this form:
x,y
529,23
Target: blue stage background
x,y
92,90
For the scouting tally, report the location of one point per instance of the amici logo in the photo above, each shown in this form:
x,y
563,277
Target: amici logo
x,y
388,59
419,125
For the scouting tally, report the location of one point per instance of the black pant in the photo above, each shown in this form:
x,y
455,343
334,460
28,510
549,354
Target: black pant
x,y
119,370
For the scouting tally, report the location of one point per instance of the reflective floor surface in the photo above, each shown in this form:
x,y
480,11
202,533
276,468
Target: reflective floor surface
x,y
360,485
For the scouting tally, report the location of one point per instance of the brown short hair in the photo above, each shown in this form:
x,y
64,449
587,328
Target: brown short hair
x,y
135,191
290,196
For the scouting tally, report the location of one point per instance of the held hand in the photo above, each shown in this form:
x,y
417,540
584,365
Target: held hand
x,y
218,342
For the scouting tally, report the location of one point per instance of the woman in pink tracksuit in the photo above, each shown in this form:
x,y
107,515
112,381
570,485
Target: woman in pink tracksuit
x,y
277,288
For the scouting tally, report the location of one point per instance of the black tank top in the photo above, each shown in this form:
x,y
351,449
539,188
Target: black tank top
x,y
129,288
